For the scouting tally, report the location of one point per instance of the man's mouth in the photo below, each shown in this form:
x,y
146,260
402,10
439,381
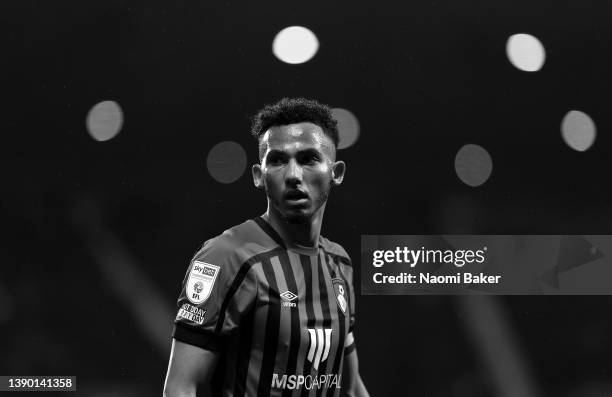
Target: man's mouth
x,y
296,196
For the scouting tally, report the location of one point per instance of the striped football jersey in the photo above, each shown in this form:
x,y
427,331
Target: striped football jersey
x,y
279,316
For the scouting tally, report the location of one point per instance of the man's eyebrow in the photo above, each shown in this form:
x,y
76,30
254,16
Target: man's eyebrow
x,y
303,152
309,151
275,152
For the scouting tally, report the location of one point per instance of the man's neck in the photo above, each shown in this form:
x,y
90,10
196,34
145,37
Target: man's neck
x,y
304,234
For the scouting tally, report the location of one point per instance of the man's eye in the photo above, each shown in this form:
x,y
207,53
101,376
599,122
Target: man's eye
x,y
309,159
274,160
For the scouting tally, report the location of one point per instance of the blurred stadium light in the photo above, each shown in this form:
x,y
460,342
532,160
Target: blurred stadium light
x,y
348,127
473,165
226,162
104,120
525,52
578,130
295,45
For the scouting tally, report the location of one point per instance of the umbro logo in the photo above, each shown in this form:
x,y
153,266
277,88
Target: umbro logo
x,y
288,297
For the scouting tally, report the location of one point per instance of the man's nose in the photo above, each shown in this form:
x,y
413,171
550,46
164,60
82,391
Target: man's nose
x,y
294,173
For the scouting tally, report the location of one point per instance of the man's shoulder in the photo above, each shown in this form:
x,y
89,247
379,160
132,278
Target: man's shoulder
x,y
235,245
335,249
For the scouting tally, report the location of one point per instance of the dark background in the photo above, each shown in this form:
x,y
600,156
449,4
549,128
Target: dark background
x,y
98,235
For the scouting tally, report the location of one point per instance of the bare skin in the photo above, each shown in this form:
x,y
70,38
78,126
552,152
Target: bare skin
x,y
297,159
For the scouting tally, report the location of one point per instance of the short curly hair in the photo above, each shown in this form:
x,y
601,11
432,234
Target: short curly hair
x,y
296,110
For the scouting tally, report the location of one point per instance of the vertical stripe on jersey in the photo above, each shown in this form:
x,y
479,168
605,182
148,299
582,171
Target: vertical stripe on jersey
x,y
310,311
320,320
295,341
303,291
243,354
327,293
330,265
305,263
285,332
259,336
272,328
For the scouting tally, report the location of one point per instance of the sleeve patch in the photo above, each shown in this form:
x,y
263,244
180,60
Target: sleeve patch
x,y
191,313
202,277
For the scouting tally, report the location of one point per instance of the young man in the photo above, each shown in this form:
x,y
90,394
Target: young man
x,y
267,308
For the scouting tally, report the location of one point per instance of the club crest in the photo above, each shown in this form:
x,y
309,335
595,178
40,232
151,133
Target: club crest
x,y
202,278
341,294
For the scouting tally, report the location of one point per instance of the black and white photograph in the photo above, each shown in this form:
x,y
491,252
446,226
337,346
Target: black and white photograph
x,y
306,199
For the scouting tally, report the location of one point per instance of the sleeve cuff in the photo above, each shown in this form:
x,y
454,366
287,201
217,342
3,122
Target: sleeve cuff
x,y
192,336
349,349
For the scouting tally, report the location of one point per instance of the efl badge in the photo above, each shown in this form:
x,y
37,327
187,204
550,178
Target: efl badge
x,y
341,294
201,281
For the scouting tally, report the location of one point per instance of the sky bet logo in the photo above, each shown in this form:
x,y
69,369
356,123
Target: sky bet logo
x,y
201,281
204,270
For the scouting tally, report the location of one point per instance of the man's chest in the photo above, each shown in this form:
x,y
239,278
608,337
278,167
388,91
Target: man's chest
x,y
302,308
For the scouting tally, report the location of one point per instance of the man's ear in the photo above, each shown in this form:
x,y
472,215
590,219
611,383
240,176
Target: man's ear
x,y
257,176
338,170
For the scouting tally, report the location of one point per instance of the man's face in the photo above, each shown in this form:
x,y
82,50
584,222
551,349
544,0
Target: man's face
x,y
297,169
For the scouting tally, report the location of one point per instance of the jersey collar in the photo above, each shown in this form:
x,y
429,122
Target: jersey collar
x,y
269,230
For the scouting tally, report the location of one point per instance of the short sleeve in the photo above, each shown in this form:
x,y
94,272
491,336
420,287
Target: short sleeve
x,y
216,293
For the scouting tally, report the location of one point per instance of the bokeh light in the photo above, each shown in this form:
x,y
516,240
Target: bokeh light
x,y
348,127
104,120
295,44
226,162
578,130
525,52
473,165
